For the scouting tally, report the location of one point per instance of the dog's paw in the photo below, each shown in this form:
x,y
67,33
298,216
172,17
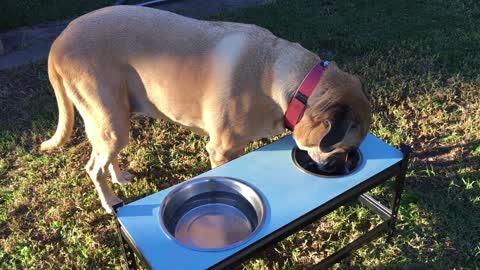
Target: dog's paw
x,y
47,146
125,179
108,205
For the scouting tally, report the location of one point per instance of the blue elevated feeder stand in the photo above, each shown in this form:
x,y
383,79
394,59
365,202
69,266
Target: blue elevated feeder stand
x,y
253,201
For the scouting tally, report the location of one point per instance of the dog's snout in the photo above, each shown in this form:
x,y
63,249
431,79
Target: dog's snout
x,y
337,158
333,162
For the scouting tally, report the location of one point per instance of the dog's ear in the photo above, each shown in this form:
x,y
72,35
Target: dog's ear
x,y
338,124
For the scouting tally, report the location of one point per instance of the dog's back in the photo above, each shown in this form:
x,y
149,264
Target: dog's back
x,y
137,31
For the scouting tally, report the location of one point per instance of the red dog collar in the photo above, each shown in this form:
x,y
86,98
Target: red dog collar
x,y
299,101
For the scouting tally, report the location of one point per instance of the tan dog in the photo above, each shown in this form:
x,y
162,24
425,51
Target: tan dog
x,y
230,81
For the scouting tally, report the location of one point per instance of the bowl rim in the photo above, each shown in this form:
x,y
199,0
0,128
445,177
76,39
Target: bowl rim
x,y
359,164
204,179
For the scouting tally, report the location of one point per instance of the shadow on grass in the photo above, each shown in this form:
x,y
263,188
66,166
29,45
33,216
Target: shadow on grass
x,y
438,224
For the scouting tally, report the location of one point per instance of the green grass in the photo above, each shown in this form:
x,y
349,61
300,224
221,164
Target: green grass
x,y
420,60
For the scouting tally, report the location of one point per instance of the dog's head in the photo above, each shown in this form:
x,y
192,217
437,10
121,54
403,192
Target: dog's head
x,y
336,119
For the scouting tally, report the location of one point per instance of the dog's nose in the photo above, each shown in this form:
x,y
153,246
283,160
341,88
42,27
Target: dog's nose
x,y
333,163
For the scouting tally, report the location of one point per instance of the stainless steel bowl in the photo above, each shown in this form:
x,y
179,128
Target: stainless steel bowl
x,y
212,213
303,161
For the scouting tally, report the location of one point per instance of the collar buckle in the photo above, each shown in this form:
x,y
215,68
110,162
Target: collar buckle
x,y
297,105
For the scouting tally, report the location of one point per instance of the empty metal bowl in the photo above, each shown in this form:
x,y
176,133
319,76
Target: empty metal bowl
x,y
303,161
212,213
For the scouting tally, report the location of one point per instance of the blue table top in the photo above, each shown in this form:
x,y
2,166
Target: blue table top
x,y
289,192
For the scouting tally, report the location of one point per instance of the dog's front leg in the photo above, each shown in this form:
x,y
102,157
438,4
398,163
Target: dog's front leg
x,y
223,149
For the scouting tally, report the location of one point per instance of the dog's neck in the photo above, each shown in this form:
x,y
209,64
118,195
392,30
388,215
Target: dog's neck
x,y
289,70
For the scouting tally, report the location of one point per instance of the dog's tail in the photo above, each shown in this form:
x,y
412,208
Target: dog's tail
x,y
65,112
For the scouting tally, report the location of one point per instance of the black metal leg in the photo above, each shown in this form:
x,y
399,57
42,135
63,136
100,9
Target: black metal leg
x,y
398,189
127,252
349,248
383,211
389,216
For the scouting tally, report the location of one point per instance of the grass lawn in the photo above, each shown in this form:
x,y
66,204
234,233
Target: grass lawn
x,y
421,63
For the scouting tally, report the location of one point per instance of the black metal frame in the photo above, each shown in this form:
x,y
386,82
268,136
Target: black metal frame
x,y
389,217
